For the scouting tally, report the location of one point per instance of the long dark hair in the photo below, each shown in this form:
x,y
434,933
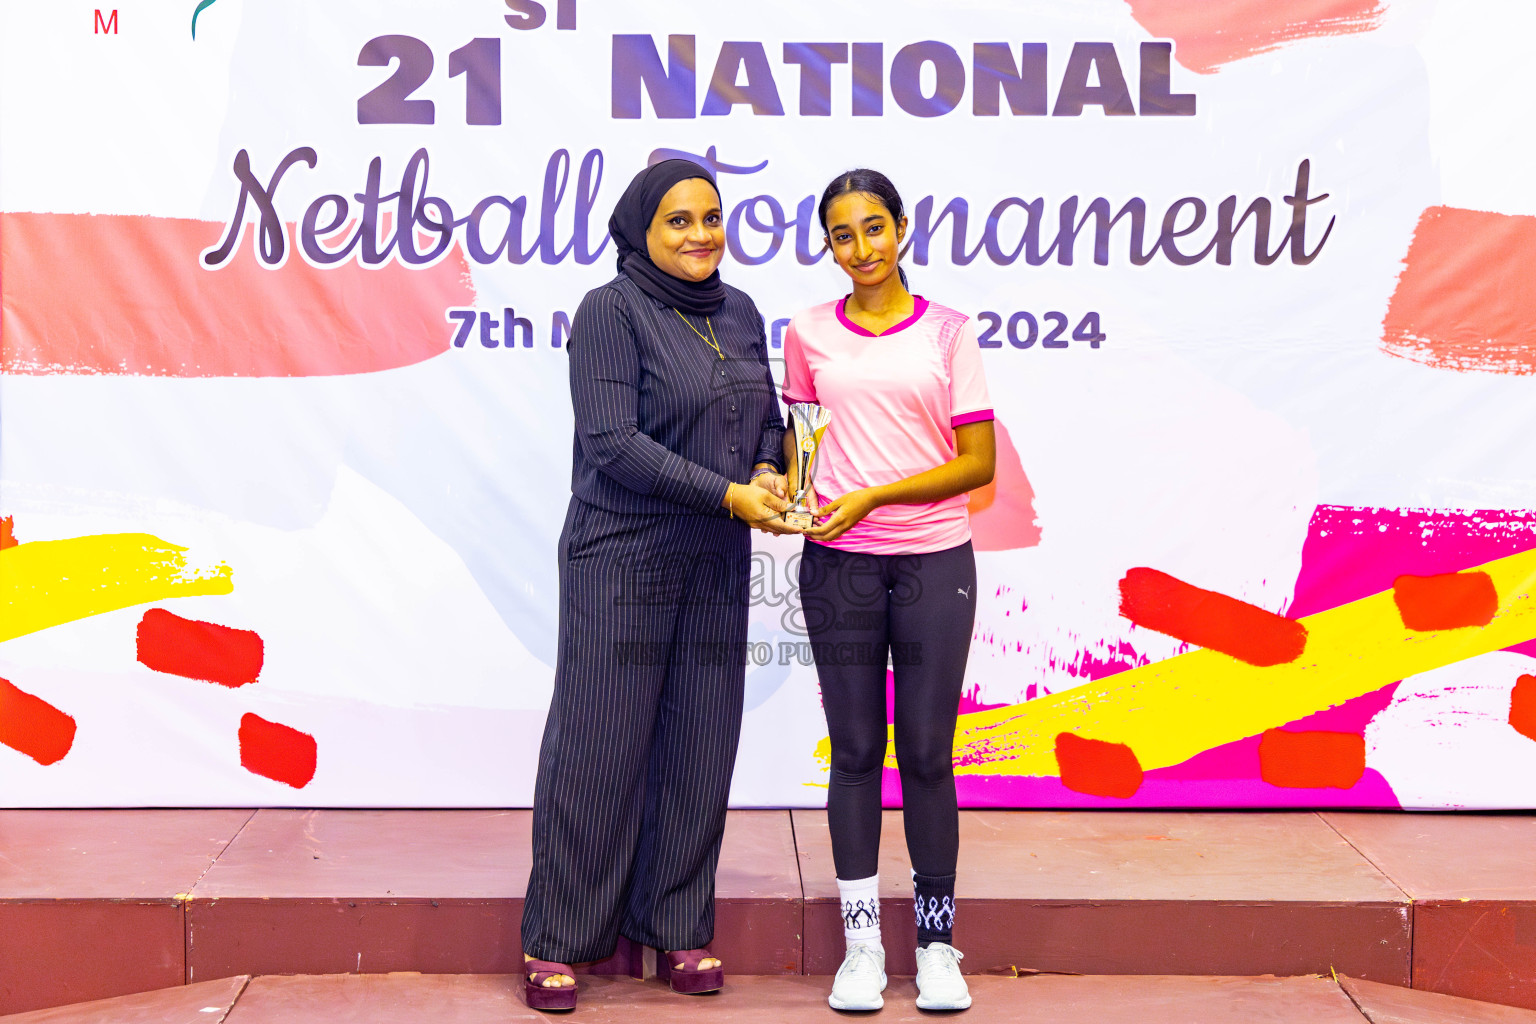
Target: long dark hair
x,y
866,182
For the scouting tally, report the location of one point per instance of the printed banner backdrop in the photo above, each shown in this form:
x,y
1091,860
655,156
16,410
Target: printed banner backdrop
x,y
285,429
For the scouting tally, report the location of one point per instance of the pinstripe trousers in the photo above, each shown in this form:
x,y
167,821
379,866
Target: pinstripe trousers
x,y
635,767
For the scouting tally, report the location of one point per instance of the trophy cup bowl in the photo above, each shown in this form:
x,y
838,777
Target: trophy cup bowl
x,y
809,422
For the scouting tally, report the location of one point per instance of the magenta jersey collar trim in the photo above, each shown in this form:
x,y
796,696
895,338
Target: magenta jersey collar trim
x,y
919,307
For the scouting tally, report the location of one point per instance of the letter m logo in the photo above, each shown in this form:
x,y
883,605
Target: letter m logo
x,y
107,25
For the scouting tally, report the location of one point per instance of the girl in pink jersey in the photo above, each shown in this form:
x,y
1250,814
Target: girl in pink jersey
x,y
888,570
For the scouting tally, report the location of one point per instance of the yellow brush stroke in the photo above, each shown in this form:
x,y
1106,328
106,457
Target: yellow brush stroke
x,y
46,582
1170,711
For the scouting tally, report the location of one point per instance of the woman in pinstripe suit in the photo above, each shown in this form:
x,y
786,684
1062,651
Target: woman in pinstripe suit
x,y
677,451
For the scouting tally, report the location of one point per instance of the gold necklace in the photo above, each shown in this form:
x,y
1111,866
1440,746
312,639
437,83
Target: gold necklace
x,y
710,341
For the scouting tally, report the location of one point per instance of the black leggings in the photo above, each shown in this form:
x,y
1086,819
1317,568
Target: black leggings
x,y
922,608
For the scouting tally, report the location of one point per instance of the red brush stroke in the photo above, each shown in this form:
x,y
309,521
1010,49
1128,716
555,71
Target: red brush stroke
x,y
1448,601
1003,512
1205,618
199,650
276,751
1466,299
1096,767
1210,33
127,295
1522,707
33,726
7,538
1311,760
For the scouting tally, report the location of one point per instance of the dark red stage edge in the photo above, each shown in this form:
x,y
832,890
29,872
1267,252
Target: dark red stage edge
x,y
276,751
1158,601
7,538
1096,767
1311,760
33,726
199,650
1450,600
1522,707
1474,896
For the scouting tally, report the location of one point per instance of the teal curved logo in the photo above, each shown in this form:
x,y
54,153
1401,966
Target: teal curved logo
x,y
201,6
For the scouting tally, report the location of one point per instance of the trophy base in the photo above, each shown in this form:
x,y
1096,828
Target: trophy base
x,y
799,520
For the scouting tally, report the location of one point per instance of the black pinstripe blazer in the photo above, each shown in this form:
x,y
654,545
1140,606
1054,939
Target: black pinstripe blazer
x,y
662,422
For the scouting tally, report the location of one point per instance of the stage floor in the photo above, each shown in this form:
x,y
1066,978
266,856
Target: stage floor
x,y
1044,999
107,902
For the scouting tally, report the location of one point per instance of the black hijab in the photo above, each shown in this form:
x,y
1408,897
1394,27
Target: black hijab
x,y
632,216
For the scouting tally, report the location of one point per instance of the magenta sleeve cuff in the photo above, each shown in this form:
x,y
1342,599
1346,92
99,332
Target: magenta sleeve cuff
x,y
971,417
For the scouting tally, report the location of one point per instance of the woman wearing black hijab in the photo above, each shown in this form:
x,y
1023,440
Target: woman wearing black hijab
x,y
678,450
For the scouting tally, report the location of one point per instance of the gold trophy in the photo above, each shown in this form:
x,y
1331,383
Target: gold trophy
x,y
810,424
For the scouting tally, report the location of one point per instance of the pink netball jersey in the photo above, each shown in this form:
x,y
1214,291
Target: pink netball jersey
x,y
895,400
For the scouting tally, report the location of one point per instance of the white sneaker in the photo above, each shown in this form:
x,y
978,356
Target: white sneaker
x,y
860,979
940,985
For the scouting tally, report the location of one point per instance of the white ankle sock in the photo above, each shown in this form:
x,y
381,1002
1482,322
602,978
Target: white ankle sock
x,y
861,910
